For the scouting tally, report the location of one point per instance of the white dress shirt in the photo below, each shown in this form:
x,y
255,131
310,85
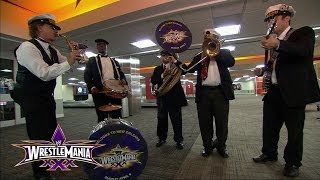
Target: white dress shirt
x,y
281,37
213,78
29,56
107,68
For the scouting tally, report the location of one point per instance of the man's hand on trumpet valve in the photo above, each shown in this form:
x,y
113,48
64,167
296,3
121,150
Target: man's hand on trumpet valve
x,y
73,57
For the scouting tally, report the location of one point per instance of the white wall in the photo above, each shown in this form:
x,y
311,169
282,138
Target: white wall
x,y
67,93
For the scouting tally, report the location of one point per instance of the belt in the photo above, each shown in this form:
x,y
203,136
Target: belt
x,y
211,87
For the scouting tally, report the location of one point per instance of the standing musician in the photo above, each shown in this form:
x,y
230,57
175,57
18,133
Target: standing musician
x,y
98,70
293,85
214,89
170,102
39,64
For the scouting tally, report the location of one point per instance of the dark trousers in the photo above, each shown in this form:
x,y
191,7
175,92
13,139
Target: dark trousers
x,y
212,103
101,99
174,111
275,113
41,122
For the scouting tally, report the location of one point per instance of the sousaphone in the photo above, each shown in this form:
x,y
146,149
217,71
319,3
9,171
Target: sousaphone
x,y
174,37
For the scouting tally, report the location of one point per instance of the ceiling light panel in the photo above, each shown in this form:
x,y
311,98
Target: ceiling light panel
x,y
143,43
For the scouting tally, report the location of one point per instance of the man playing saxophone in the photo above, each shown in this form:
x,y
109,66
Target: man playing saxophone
x,y
213,91
39,64
169,103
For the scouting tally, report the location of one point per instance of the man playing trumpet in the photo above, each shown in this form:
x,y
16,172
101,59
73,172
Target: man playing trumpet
x,y
169,103
39,64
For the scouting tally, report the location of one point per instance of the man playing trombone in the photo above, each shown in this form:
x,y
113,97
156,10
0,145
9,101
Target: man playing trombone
x,y
213,91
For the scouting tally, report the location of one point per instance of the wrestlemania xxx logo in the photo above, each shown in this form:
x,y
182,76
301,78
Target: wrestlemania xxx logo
x,y
58,153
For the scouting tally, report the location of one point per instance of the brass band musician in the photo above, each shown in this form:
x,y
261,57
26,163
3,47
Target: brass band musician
x,y
214,89
169,103
39,64
293,84
98,71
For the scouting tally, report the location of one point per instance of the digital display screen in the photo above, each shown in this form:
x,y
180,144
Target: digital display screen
x,y
81,90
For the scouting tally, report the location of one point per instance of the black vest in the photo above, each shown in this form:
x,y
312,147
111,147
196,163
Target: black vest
x,y
31,84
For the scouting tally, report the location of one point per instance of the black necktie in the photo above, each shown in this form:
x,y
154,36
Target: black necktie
x,y
54,55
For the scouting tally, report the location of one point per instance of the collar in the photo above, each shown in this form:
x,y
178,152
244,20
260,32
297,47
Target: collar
x,y
43,43
284,33
103,55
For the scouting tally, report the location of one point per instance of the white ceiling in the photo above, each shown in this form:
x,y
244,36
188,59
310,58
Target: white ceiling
x,y
197,15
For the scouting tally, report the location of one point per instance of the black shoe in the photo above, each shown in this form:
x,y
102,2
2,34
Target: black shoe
x,y
160,143
223,152
179,145
206,152
264,158
291,171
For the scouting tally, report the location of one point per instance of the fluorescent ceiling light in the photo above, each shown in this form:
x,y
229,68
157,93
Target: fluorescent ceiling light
x,y
72,84
231,48
143,43
6,70
236,79
90,54
260,66
245,76
82,82
130,60
316,28
228,30
248,79
81,68
73,79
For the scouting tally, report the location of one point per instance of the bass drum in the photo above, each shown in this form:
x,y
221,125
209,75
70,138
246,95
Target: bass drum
x,y
124,154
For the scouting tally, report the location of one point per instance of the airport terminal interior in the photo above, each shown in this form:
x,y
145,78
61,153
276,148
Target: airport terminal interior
x,y
123,23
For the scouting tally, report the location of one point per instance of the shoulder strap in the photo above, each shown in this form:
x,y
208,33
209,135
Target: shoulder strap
x,y
115,67
98,66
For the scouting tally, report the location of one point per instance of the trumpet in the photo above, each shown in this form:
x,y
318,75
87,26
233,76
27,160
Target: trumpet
x,y
77,46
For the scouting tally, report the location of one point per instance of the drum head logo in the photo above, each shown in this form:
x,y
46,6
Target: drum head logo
x,y
173,36
58,154
124,154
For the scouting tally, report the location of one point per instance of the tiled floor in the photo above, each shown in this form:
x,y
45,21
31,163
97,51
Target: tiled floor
x,y
166,162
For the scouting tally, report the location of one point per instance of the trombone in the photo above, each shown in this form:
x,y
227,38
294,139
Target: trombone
x,y
210,48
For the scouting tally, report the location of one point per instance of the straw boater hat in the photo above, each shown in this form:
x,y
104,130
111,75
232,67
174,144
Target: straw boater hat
x,y
44,18
279,9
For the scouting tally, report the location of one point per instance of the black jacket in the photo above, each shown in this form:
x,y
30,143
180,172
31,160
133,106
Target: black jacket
x,y
175,96
224,61
92,76
294,68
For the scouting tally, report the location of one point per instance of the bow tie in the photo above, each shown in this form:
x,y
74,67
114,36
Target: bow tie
x,y
104,55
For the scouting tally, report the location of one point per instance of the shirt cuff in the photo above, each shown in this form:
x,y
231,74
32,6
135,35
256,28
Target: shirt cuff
x,y
65,66
278,45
